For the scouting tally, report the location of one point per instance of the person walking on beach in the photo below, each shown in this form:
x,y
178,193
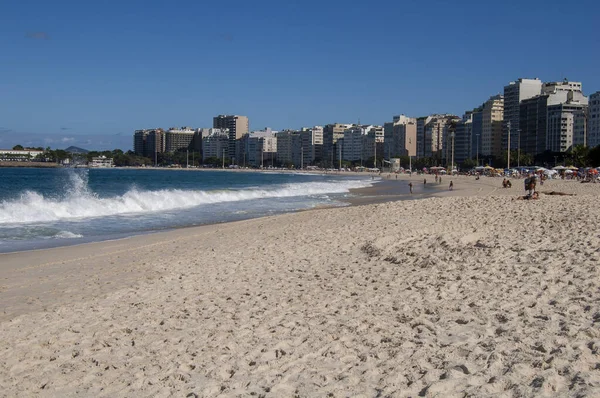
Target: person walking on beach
x,y
440,180
424,181
410,187
451,187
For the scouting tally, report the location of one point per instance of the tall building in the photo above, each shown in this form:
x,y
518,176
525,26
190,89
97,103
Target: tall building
x,y
421,122
261,147
514,93
215,143
400,137
149,142
332,133
532,126
555,120
593,122
237,126
566,123
288,148
436,129
312,145
176,139
463,138
476,133
491,131
353,143
372,143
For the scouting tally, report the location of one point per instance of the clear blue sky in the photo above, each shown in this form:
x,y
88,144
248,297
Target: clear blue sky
x,y
90,73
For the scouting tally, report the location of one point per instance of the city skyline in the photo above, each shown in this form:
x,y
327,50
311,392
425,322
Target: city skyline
x,y
77,75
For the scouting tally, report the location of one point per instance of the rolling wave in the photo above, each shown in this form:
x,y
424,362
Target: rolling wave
x,y
81,203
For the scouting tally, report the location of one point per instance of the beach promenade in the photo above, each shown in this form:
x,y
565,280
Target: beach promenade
x,y
466,293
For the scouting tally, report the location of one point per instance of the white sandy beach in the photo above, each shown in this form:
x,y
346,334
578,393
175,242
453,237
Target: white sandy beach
x,y
471,293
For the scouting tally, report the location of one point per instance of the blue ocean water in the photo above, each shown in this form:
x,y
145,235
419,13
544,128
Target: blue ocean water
x,y
41,208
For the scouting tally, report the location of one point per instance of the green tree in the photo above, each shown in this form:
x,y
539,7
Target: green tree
x,y
579,155
18,148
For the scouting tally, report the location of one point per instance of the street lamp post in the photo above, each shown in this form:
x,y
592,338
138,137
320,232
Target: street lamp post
x,y
508,149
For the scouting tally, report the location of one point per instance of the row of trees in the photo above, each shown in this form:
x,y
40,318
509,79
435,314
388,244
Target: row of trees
x,y
579,156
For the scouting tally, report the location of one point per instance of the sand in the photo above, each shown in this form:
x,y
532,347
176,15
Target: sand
x,y
468,293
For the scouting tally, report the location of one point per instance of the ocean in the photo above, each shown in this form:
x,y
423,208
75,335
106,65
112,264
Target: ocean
x,y
43,208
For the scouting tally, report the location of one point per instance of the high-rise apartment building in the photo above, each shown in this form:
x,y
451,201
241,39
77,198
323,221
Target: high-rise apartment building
x,y
593,121
149,142
237,126
554,120
463,138
436,129
353,143
288,148
476,133
176,139
332,133
421,122
514,93
312,145
400,137
491,131
532,125
566,123
215,144
261,147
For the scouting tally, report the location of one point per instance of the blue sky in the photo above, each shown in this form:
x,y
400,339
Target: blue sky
x,y
90,73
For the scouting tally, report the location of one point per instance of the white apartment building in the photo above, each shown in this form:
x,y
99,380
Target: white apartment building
x,y
261,147
566,122
288,148
352,144
491,131
216,144
514,93
19,155
593,120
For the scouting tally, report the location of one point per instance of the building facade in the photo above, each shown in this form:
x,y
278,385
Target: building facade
x,y
332,133
532,125
463,138
491,129
215,144
593,121
514,93
312,145
566,124
400,137
237,126
176,139
288,148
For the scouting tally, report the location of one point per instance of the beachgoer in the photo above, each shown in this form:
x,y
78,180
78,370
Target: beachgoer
x,y
451,187
535,196
436,178
410,186
424,181
504,183
440,180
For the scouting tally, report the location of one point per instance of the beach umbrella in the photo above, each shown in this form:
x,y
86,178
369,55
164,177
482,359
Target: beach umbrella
x,y
559,168
572,168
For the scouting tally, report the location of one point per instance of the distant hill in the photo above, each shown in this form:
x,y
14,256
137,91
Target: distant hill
x,y
74,149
